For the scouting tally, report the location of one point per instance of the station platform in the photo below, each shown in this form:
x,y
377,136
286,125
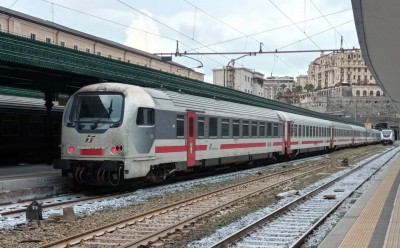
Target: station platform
x,y
19,182
374,220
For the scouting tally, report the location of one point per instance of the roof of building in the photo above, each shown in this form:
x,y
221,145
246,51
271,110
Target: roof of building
x,y
77,33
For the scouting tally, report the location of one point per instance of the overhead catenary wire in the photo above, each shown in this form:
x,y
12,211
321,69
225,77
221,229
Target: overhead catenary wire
x,y
315,6
293,23
123,25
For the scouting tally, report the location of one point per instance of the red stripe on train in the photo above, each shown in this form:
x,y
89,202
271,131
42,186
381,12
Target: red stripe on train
x,y
242,145
91,151
168,149
312,142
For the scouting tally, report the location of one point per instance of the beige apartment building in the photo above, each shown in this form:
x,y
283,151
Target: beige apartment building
x,y
24,25
343,67
241,79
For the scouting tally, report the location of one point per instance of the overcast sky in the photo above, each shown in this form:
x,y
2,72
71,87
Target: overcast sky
x,y
210,26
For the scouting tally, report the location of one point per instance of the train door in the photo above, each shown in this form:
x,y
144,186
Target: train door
x,y
289,137
191,138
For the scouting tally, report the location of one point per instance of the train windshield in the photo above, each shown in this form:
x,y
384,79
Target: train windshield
x,y
386,133
97,108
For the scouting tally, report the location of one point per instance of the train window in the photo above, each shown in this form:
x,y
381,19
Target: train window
x,y
295,130
276,130
236,128
262,129
300,131
291,130
280,130
145,117
200,127
180,126
254,129
269,129
225,128
245,129
307,131
213,133
10,128
101,107
56,128
36,128
191,126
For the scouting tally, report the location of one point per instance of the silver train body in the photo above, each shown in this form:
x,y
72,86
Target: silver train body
x,y
387,136
112,132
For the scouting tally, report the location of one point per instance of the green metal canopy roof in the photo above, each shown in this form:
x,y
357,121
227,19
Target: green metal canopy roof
x,y
42,56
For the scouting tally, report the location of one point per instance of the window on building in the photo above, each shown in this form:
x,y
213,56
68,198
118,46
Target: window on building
x,y
99,53
109,56
76,47
371,93
357,93
48,40
1,28
200,127
364,93
213,133
378,93
62,43
87,50
119,58
33,36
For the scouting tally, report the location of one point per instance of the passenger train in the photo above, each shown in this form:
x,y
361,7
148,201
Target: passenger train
x,y
25,136
387,136
112,132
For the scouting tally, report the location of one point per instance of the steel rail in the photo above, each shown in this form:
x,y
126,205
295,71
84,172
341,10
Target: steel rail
x,y
131,220
234,238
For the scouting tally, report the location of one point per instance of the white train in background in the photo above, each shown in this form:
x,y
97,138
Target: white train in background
x,y
112,132
387,136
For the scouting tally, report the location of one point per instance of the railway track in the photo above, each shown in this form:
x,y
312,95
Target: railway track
x,y
290,225
158,225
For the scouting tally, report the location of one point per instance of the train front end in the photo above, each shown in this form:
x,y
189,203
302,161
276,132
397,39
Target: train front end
x,y
387,137
92,142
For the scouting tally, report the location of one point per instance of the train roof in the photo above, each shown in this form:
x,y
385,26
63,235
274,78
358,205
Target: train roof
x,y
26,103
304,120
168,100
202,104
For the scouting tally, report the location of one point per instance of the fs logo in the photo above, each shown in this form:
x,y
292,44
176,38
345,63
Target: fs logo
x,y
89,138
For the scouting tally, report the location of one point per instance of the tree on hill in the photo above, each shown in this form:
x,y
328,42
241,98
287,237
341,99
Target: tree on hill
x,y
309,87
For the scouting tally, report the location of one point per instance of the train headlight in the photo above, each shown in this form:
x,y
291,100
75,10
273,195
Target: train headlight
x,y
71,149
113,150
116,149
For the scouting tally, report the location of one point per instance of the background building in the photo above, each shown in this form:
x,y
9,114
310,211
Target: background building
x,y
31,27
337,68
241,79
